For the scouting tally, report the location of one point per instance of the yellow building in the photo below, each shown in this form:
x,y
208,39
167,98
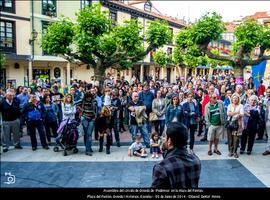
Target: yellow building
x,y
15,33
26,60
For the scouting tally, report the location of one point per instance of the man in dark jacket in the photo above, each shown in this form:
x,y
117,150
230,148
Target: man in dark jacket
x,y
10,110
179,169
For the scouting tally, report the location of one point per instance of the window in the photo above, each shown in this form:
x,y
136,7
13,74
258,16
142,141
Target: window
x,y
49,7
148,6
132,16
171,42
7,6
169,51
45,25
85,3
113,16
7,33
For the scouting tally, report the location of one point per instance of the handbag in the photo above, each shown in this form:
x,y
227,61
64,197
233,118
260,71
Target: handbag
x,y
153,117
232,124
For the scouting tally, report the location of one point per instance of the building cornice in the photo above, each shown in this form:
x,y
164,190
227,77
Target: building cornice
x,y
136,12
10,16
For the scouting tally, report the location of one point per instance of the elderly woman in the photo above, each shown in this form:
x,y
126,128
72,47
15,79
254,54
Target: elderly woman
x,y
159,108
251,119
33,115
235,113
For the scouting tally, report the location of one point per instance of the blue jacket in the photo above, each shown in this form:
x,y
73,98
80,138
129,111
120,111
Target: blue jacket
x,y
187,114
147,99
174,112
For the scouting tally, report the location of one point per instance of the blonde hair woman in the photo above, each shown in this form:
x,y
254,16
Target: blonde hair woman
x,y
235,112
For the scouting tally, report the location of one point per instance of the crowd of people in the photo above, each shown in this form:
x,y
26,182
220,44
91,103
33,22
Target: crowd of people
x,y
209,107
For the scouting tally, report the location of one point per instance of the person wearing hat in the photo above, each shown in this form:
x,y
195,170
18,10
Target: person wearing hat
x,y
179,169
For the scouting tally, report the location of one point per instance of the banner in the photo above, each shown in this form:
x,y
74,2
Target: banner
x,y
258,73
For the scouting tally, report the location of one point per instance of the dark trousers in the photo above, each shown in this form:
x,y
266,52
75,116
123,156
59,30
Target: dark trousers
x,y
159,126
51,127
200,126
247,138
96,131
32,126
261,130
115,127
121,122
108,142
192,129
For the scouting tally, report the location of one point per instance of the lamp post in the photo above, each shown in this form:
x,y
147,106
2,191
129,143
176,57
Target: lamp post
x,y
34,35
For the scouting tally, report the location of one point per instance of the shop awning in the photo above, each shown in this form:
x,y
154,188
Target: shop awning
x,y
224,67
49,58
202,67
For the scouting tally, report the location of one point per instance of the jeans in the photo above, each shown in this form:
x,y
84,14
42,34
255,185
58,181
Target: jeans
x,y
88,126
159,126
155,150
8,128
192,129
32,126
143,130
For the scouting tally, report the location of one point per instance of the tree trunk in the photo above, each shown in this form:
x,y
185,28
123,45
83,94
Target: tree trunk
x,y
239,74
100,73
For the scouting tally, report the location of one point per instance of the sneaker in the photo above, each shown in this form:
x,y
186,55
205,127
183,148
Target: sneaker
x,y
157,156
88,153
217,152
5,150
230,154
235,155
266,153
153,155
18,146
144,155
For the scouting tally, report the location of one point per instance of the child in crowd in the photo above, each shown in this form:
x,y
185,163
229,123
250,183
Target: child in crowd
x,y
137,149
155,143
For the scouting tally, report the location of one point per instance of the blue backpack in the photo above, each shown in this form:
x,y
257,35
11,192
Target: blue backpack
x,y
34,115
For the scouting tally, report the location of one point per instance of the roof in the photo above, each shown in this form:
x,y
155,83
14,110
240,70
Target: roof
x,y
230,27
153,14
258,15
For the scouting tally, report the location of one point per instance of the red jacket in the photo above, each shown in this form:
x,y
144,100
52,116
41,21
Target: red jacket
x,y
261,89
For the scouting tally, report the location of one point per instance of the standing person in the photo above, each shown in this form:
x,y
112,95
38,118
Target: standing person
x,y
10,111
115,113
179,169
191,114
205,101
251,120
261,89
33,115
99,106
57,97
215,120
174,112
198,98
267,121
50,117
159,108
235,113
136,108
122,114
23,98
88,107
147,97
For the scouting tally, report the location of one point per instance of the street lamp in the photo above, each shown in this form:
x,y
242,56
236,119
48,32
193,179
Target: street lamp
x,y
34,35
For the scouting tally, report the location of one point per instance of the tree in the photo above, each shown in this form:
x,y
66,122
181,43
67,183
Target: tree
x,y
94,41
192,43
2,59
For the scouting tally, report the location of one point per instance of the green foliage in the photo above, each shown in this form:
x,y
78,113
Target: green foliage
x,y
265,42
59,37
249,35
94,41
158,33
2,59
161,58
208,28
